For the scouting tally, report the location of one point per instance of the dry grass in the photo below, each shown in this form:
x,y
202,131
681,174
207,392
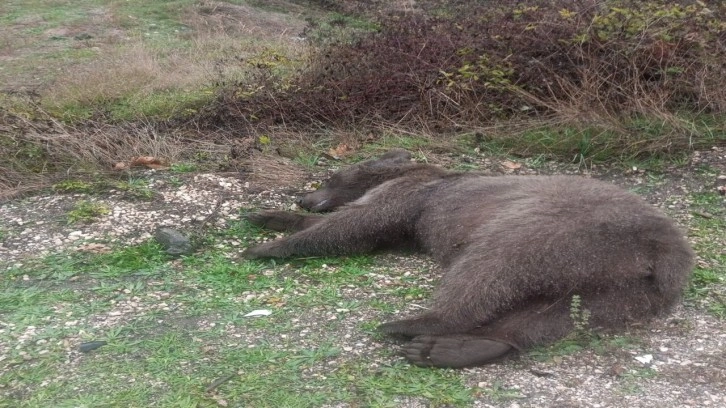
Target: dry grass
x,y
120,99
40,152
265,171
133,69
210,51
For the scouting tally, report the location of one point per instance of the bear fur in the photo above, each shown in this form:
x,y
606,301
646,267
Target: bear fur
x,y
514,250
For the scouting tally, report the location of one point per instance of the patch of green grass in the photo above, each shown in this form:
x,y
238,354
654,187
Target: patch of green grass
x,y
47,12
175,181
183,167
382,307
135,188
707,288
708,227
86,211
71,111
153,16
174,103
461,166
639,142
630,382
225,277
339,28
536,161
610,342
601,343
389,141
410,293
501,394
145,259
708,200
560,348
308,160
657,163
137,104
575,145
74,186
652,181
378,388
139,260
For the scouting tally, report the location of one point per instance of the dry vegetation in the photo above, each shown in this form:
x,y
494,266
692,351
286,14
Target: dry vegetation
x,y
129,86
586,79
617,66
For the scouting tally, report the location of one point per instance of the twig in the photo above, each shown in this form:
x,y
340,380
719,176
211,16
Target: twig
x,y
702,214
218,382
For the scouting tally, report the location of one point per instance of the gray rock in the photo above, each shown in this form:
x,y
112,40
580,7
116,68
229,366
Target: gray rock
x,y
174,242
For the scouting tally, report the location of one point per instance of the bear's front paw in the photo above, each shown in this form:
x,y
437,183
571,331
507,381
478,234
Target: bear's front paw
x,y
274,249
274,220
257,252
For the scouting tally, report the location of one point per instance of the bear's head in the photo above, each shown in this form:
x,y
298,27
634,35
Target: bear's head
x,y
352,182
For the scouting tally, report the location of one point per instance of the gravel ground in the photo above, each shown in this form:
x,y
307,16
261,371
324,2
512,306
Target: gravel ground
x,y
678,361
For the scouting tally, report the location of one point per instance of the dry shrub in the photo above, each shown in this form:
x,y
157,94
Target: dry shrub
x,y
472,63
37,152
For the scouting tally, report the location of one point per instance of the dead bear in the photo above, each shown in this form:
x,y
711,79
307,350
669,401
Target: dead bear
x,y
514,250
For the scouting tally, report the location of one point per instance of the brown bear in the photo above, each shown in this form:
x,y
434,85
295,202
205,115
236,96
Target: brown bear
x,y
514,251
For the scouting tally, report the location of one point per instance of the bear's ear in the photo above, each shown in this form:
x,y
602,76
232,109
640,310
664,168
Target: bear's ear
x,y
396,156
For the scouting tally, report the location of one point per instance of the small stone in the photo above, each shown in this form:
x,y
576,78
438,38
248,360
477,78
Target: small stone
x,y
90,346
174,242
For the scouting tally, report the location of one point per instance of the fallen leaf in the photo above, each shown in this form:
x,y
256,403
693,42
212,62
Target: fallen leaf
x,y
340,151
149,161
510,165
120,166
274,300
616,370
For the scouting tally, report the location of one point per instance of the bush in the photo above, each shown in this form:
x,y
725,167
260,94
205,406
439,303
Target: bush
x,y
473,63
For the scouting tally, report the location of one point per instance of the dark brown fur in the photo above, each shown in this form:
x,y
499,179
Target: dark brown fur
x,y
514,251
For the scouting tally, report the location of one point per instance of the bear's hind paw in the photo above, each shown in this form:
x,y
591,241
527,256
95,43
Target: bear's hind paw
x,y
453,351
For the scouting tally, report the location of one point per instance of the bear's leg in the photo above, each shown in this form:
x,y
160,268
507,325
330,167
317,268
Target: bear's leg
x,y
356,229
475,290
425,324
540,322
480,287
283,221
